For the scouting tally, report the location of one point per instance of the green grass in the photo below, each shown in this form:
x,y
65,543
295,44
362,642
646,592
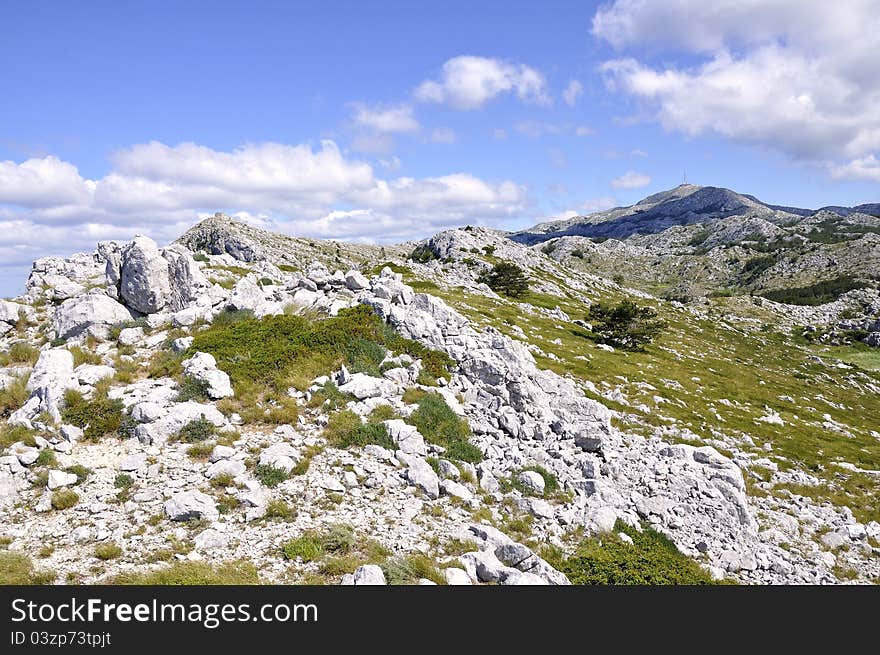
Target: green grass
x,y
238,572
734,362
407,570
14,395
107,551
440,425
20,352
18,569
64,499
336,539
345,429
652,559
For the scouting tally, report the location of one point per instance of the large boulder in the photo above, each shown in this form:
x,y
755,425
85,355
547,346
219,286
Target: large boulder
x,y
203,367
11,311
145,282
189,505
75,315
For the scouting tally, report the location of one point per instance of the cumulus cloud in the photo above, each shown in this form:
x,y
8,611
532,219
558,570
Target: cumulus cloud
x,y
864,168
572,92
156,189
794,76
631,180
469,82
398,119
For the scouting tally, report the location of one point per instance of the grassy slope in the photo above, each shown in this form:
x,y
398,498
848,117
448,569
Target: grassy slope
x,y
718,376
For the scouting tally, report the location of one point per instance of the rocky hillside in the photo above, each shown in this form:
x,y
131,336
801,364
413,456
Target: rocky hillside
x,y
242,406
693,241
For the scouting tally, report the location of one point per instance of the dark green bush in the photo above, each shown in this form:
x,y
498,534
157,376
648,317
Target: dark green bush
x,y
423,254
98,417
270,475
345,429
506,278
200,429
815,294
625,325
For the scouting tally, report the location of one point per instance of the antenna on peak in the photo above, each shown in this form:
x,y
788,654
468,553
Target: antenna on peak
x,y
684,179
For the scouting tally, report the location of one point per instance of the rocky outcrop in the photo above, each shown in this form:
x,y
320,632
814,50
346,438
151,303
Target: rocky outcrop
x,y
95,308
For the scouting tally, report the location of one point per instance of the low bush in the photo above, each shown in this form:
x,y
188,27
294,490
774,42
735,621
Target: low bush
x,y
98,417
345,429
201,429
652,559
270,475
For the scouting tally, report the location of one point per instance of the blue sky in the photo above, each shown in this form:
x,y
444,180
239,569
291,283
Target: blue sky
x,y
389,121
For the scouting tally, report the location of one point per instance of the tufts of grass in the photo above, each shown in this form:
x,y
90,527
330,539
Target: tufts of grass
x,y
20,352
64,499
46,458
337,539
440,425
278,509
200,451
82,356
409,569
107,551
330,397
345,429
165,364
81,472
237,572
10,434
123,481
14,395
18,569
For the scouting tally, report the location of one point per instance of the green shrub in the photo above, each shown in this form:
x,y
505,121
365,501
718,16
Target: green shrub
x,y
308,547
197,430
64,499
625,325
123,481
192,389
337,539
239,572
107,551
815,294
200,451
201,257
270,475
18,569
81,472
423,254
652,559
551,484
98,417
331,395
506,278
440,425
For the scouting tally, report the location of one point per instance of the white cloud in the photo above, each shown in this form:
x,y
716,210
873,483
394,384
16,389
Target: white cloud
x,y
469,82
631,180
799,77
864,168
499,134
597,204
584,130
638,153
390,164
557,157
572,92
398,119
443,135
42,182
47,207
537,129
